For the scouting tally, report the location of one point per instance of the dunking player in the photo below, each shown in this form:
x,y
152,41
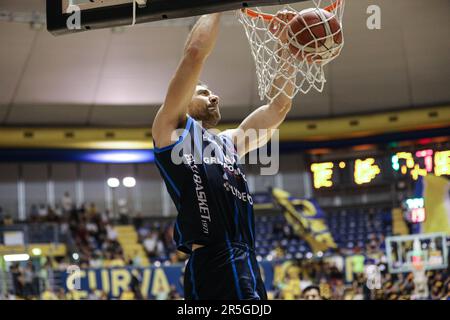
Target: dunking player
x,y
215,222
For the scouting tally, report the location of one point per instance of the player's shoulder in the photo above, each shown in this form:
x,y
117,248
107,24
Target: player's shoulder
x,y
227,135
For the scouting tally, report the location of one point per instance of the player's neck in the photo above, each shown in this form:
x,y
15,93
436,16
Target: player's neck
x,y
205,123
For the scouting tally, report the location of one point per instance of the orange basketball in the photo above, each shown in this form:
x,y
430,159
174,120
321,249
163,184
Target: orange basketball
x,y
314,34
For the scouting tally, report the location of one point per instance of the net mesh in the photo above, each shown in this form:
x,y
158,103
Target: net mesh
x,y
284,64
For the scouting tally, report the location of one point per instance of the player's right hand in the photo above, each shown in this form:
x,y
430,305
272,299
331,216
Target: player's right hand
x,y
278,25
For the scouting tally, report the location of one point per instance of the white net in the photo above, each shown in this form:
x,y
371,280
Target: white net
x,y
291,46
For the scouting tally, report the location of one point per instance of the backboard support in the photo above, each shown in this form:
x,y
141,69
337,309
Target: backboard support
x,y
99,14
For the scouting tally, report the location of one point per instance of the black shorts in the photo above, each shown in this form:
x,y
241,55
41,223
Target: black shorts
x,y
226,271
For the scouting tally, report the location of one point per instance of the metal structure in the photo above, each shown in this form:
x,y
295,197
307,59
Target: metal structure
x,y
104,14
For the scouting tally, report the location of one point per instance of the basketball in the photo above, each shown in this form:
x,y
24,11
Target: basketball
x,y
314,34
223,150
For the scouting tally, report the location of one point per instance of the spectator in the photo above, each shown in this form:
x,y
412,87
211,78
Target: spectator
x,y
96,261
135,285
8,220
106,216
162,294
48,294
136,260
123,211
173,258
9,296
291,288
357,262
93,295
28,276
173,294
52,216
34,213
153,246
66,203
277,253
446,295
43,274
138,221
359,294
18,281
61,295
42,212
167,237
311,293
338,292
103,295
117,261
127,294
111,233
59,212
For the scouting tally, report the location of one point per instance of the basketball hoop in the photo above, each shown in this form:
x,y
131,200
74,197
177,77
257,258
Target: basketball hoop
x,y
312,38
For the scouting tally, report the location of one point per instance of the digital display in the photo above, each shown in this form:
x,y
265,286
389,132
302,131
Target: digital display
x,y
422,162
322,173
415,211
358,171
365,170
368,170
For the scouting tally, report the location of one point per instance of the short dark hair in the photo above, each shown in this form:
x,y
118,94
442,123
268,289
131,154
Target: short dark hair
x,y
311,287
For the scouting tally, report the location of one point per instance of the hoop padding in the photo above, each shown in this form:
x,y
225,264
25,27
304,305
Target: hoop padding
x,y
300,65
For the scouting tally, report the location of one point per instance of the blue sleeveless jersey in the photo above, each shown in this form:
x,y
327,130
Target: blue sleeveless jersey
x,y
208,186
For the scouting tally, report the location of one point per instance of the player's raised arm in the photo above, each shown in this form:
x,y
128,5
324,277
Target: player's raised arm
x,y
172,114
271,115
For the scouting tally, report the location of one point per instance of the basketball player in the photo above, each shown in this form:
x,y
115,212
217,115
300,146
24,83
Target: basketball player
x,y
215,222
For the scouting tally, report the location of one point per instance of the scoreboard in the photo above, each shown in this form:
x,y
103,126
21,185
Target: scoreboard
x,y
380,169
422,162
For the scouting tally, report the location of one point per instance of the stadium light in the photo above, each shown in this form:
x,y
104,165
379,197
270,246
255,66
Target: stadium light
x,y
113,182
16,257
129,182
36,251
75,256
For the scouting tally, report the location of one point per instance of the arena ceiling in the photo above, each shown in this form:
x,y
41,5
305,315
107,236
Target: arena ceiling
x,y
119,78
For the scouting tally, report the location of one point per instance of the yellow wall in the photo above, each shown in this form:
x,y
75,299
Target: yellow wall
x,y
291,130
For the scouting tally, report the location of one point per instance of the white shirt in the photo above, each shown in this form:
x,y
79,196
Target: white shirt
x,y
66,203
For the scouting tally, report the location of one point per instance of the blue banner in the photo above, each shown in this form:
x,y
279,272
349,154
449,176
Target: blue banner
x,y
153,280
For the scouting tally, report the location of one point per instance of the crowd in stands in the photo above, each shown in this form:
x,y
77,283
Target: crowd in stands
x,y
94,238
92,232
330,283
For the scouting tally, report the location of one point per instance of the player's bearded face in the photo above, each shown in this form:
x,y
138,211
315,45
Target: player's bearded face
x,y
204,107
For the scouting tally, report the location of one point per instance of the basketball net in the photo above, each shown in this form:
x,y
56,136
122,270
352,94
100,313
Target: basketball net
x,y
274,59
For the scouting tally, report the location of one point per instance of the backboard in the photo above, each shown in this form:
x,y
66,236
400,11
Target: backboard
x,y
405,253
69,16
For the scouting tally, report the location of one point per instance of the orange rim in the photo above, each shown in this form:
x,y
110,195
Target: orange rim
x,y
269,17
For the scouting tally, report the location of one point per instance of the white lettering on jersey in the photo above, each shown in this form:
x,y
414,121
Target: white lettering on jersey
x,y
244,196
201,195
